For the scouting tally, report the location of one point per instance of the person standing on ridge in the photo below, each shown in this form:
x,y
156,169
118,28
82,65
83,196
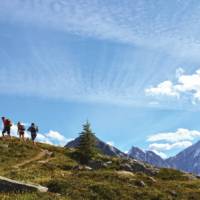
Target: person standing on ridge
x,y
21,130
33,129
6,126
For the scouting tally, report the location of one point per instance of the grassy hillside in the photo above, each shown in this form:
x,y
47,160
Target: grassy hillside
x,y
55,168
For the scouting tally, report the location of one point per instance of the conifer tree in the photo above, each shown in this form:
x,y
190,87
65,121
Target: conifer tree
x,y
87,145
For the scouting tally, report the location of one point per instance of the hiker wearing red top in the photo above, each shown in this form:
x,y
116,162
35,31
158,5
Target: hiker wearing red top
x,y
21,130
6,126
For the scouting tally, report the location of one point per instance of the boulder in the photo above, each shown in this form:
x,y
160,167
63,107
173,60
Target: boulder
x,y
5,146
97,164
126,167
140,183
152,179
173,193
8,185
82,167
125,174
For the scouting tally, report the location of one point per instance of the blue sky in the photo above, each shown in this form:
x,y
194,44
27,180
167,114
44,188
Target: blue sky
x,y
130,67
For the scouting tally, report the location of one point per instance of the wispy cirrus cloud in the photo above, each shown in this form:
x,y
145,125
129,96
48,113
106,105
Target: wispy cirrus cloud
x,y
52,71
138,22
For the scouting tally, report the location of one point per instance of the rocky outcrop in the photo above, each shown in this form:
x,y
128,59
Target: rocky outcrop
x,y
8,185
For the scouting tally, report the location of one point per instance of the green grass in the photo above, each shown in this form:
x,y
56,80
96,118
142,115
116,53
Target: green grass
x,y
104,184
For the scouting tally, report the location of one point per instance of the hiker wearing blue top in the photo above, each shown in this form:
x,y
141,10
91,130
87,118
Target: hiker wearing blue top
x,y
33,129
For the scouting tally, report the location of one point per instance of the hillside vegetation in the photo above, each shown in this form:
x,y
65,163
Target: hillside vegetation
x,y
58,169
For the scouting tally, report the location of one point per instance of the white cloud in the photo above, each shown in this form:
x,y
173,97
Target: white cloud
x,y
53,138
167,146
162,142
185,85
164,88
41,137
57,137
180,135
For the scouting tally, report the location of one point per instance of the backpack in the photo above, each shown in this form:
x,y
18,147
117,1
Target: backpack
x,y
22,128
8,123
33,129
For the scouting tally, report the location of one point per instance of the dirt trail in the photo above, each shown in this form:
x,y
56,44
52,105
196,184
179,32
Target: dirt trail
x,y
39,156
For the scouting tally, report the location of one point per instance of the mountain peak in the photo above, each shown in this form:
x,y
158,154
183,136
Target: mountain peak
x,y
148,156
187,160
107,149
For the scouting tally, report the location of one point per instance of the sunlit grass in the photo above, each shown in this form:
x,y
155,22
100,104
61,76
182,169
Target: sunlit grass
x,y
64,183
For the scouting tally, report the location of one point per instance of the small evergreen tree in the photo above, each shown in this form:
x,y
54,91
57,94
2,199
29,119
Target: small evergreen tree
x,y
87,145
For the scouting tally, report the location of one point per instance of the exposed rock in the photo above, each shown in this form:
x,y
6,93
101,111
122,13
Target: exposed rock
x,y
5,146
140,183
152,179
109,162
173,193
82,167
8,185
125,173
87,168
95,164
144,168
126,167
78,167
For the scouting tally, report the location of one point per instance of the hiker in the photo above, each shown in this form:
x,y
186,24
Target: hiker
x,y
33,129
21,130
6,126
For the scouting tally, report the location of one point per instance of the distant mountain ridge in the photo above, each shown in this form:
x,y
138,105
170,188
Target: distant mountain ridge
x,y
187,160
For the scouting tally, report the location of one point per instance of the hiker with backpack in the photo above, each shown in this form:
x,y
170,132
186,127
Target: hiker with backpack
x,y
33,129
6,126
21,130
